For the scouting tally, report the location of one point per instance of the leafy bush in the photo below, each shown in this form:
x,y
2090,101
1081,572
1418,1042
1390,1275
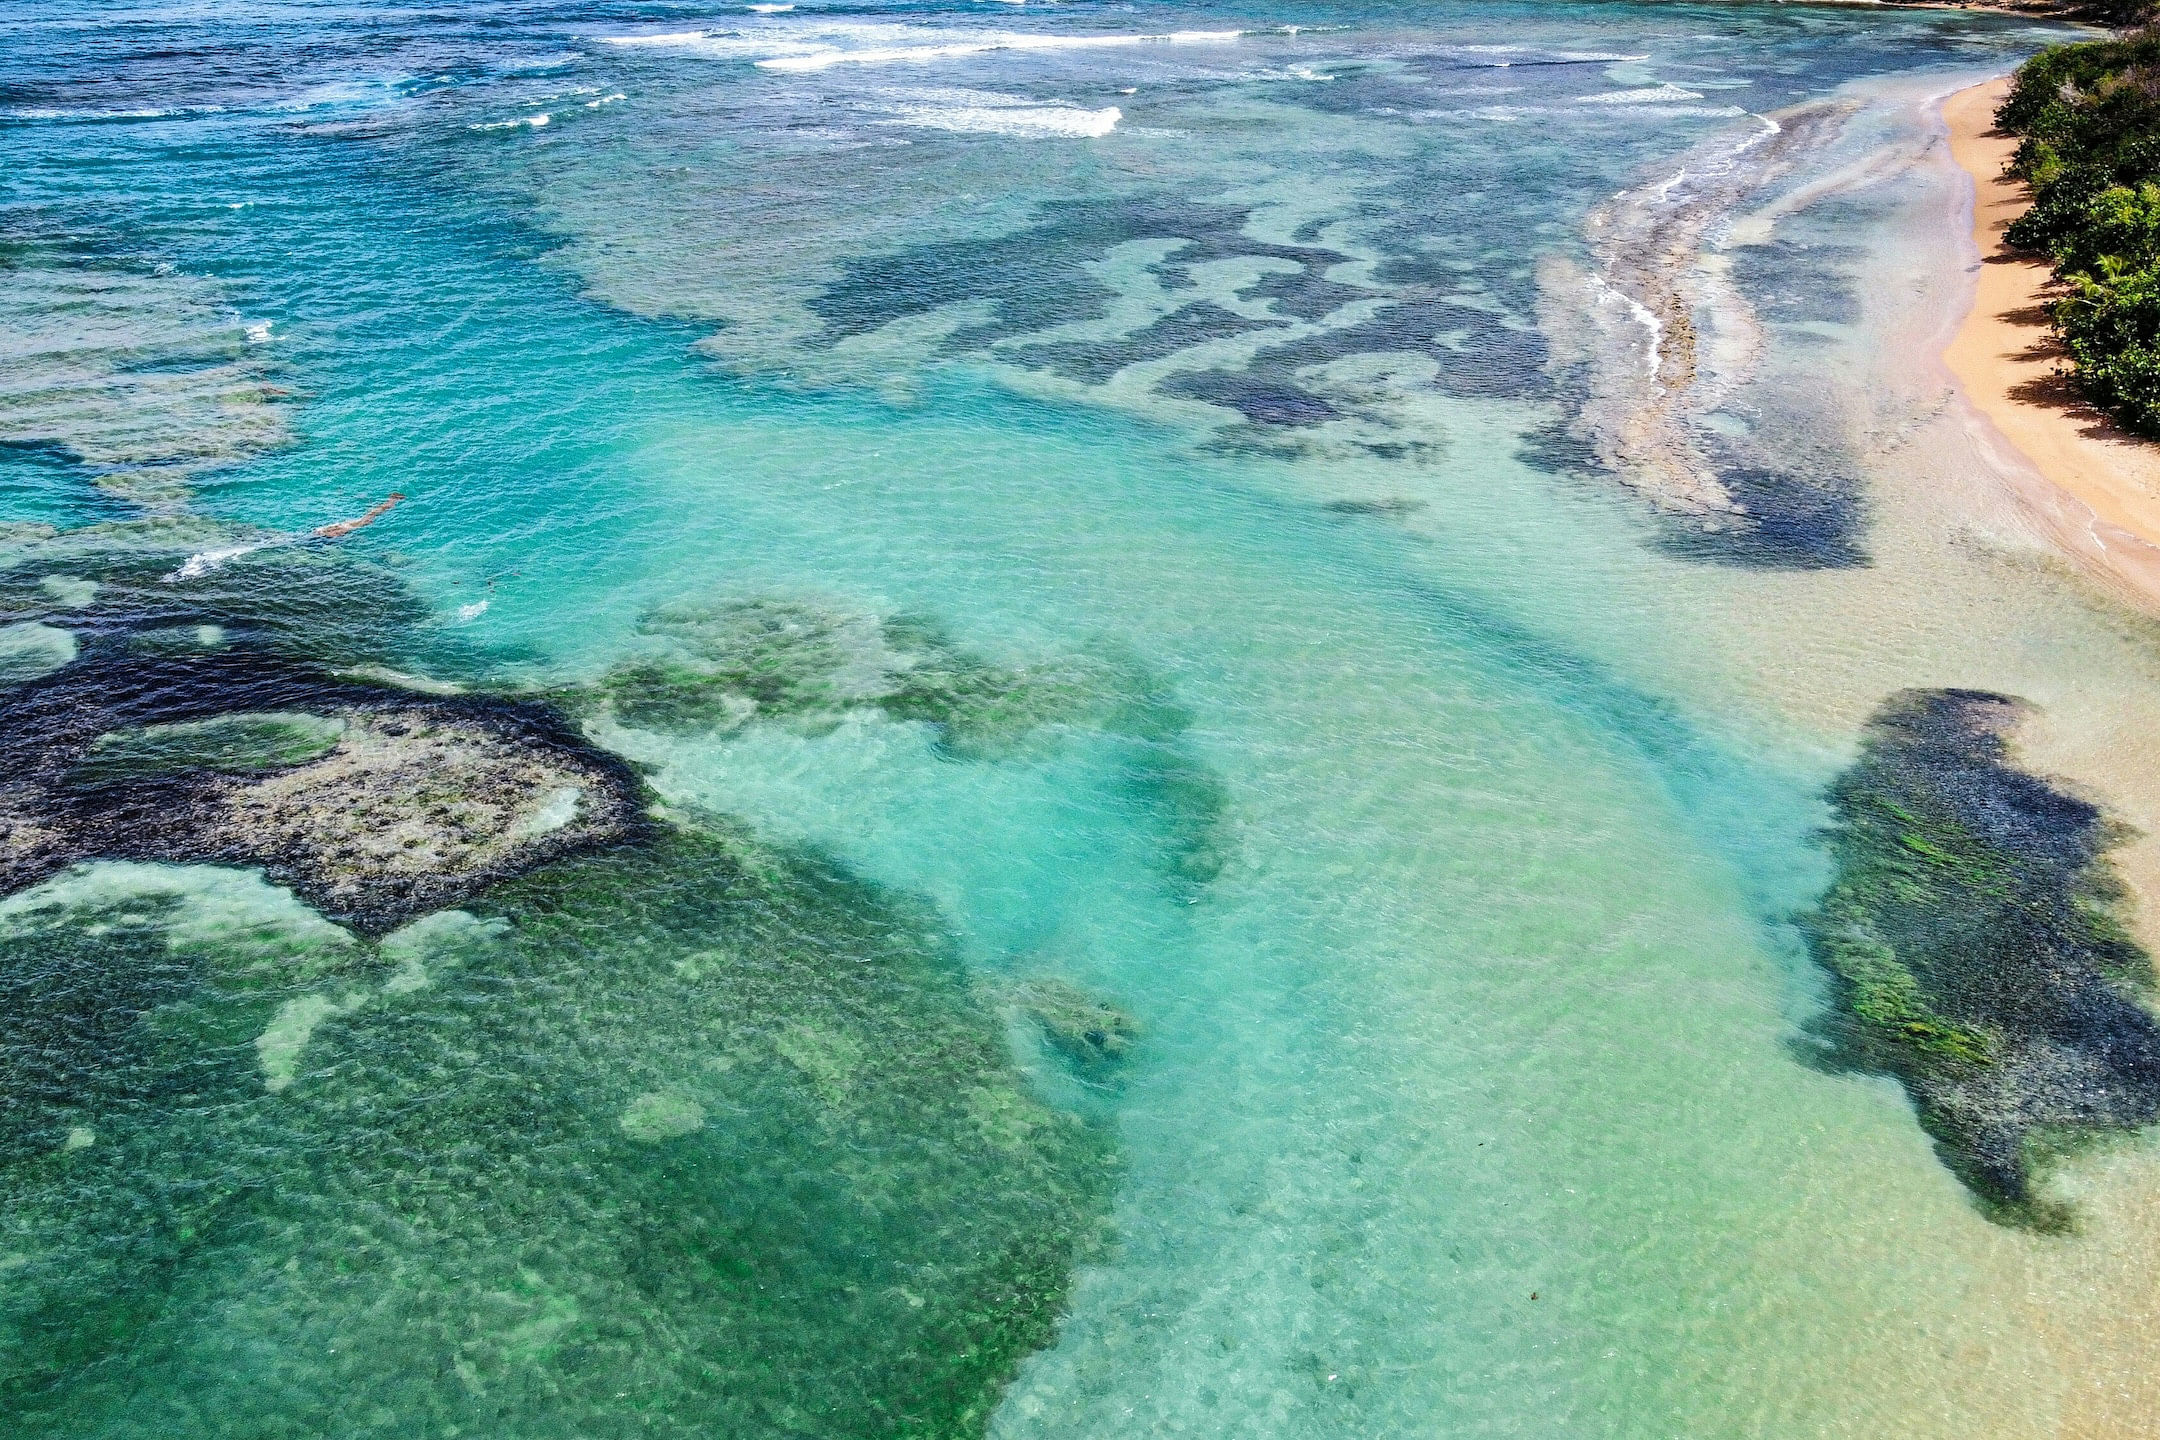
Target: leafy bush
x,y
2090,118
2112,326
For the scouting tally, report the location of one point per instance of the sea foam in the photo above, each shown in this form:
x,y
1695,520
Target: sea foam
x,y
1663,94
825,59
1029,121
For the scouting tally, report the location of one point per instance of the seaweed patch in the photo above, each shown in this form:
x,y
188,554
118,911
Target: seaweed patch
x,y
705,1119
661,1111
1973,937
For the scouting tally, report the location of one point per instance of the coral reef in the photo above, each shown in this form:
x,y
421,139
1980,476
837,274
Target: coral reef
x,y
718,666
1971,931
171,723
701,1131
1094,1036
663,1122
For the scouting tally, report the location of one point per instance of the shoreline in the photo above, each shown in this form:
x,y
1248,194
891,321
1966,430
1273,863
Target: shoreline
x,y
2092,487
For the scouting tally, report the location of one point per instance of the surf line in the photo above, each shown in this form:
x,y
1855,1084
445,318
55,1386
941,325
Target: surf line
x,y
204,561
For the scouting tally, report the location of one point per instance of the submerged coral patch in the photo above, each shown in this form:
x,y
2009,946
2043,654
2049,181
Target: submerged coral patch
x,y
713,1120
1972,932
31,651
726,663
1093,1035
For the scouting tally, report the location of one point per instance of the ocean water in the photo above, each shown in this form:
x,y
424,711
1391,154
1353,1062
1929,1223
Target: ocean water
x,y
1459,687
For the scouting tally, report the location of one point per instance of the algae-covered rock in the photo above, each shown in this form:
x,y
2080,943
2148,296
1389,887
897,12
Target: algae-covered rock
x,y
228,743
718,666
715,1137
1094,1035
1972,931
195,723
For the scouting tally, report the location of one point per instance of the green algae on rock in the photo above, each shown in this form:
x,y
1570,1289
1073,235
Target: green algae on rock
x,y
1093,1035
720,665
205,722
1971,930
224,743
716,1136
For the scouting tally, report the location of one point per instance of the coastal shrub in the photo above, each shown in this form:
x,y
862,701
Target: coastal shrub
x,y
2090,118
2111,323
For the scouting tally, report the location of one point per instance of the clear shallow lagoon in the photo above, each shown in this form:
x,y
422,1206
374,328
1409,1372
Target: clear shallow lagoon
x,y
1447,874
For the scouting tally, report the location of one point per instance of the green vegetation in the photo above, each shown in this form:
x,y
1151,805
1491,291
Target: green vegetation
x,y
1972,934
700,1138
684,1134
226,743
2090,118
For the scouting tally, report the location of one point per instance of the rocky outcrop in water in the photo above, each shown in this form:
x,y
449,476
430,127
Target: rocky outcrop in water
x,y
145,739
1973,935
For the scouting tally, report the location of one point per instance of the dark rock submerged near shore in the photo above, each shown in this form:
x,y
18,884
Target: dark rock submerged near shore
x,y
371,804
1972,930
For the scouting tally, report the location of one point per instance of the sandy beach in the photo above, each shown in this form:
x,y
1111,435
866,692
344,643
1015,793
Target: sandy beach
x,y
2095,489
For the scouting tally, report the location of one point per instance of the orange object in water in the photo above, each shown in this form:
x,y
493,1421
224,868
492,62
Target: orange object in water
x,y
338,529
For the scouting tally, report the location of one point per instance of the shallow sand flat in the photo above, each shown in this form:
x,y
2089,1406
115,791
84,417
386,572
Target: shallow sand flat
x,y
2101,493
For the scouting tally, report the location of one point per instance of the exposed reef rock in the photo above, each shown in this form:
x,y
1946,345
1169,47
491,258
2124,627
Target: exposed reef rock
x,y
1972,933
1660,345
154,734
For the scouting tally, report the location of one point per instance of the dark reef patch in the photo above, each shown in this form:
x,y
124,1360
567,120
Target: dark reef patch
x,y
1261,400
1973,936
371,803
1036,279
1305,293
1095,361
1477,352
1791,522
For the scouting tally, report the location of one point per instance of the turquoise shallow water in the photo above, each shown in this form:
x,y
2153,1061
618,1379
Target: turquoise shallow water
x,y
1451,907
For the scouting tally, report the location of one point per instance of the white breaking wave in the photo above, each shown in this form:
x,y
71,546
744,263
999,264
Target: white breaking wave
x,y
1503,56
825,59
203,562
778,38
1016,120
770,9
20,112
1664,94
532,121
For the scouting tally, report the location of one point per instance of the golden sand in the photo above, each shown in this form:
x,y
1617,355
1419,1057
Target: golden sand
x,y
2100,496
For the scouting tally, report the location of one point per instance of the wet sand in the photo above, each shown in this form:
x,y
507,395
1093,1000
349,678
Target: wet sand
x,y
2093,488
